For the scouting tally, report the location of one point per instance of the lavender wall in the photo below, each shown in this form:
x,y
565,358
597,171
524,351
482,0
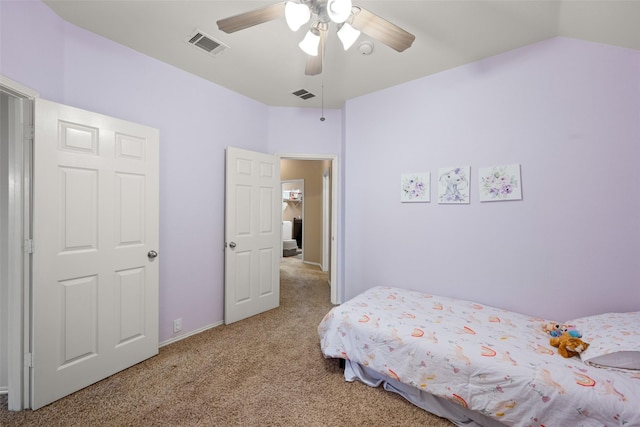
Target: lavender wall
x,y
196,119
32,46
299,130
569,112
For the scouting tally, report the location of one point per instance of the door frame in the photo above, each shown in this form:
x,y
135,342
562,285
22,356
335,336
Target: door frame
x,y
19,267
301,182
326,216
333,262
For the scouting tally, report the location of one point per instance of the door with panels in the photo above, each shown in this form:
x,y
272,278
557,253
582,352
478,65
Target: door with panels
x,y
252,234
95,238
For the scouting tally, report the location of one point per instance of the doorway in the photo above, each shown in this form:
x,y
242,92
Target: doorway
x,y
25,292
319,223
293,218
238,282
16,122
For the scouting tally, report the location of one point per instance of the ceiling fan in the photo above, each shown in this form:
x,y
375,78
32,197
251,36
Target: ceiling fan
x,y
350,20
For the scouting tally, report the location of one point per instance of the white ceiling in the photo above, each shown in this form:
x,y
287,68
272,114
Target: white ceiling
x,y
264,62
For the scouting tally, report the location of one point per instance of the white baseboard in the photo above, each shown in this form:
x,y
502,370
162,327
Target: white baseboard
x,y
190,334
313,263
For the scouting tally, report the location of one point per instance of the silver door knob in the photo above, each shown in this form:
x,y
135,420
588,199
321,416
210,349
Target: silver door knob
x,y
152,254
232,245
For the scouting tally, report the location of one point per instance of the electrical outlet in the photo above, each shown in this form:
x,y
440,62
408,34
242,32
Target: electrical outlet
x,y
177,325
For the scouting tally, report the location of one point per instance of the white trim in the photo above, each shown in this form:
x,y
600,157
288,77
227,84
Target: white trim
x,y
313,263
301,183
27,195
326,215
335,284
16,259
18,88
19,218
190,334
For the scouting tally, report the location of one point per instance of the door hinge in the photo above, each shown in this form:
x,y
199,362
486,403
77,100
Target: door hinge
x,y
28,360
29,132
28,246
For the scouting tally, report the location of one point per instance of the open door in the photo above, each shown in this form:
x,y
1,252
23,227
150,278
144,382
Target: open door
x,y
95,239
252,234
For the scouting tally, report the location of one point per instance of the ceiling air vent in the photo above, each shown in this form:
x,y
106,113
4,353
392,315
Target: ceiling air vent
x,y
207,43
304,94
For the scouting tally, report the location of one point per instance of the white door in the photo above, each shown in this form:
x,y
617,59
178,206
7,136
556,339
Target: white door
x,y
95,233
252,234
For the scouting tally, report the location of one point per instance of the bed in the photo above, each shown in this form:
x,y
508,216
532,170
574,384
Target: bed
x,y
478,365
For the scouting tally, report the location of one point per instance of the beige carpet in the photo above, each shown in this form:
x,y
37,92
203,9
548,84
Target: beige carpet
x,y
264,371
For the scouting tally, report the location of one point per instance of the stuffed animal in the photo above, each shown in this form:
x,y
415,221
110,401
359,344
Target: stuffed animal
x,y
557,329
568,346
571,330
553,329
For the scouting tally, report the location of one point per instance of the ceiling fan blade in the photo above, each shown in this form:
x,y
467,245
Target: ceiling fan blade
x,y
381,29
251,18
314,63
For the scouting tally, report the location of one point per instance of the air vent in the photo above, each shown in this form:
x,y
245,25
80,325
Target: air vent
x,y
207,43
304,94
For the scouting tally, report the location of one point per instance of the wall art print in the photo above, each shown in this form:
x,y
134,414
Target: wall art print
x,y
453,185
415,187
499,183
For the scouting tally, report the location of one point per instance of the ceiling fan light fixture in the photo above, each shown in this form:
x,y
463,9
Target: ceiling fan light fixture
x,y
296,15
339,10
348,35
310,43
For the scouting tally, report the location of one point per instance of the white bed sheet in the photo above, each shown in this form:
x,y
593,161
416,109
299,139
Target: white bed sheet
x,y
496,362
444,408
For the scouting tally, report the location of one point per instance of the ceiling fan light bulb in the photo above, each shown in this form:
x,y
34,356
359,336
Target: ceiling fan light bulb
x,y
348,35
296,15
339,10
310,43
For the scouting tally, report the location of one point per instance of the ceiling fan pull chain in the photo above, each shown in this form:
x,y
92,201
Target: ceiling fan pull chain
x,y
322,119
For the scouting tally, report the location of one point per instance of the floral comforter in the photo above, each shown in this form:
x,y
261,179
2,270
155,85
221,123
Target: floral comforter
x,y
489,360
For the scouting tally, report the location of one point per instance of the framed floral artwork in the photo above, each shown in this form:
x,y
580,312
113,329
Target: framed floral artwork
x,y
414,187
453,185
499,183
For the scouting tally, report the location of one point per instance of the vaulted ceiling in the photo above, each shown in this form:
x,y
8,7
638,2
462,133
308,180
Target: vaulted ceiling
x,y
265,63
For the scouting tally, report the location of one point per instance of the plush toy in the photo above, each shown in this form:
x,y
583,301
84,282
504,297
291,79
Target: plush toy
x,y
553,329
568,346
571,330
557,329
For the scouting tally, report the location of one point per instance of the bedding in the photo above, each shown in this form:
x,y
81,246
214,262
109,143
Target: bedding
x,y
614,339
487,361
